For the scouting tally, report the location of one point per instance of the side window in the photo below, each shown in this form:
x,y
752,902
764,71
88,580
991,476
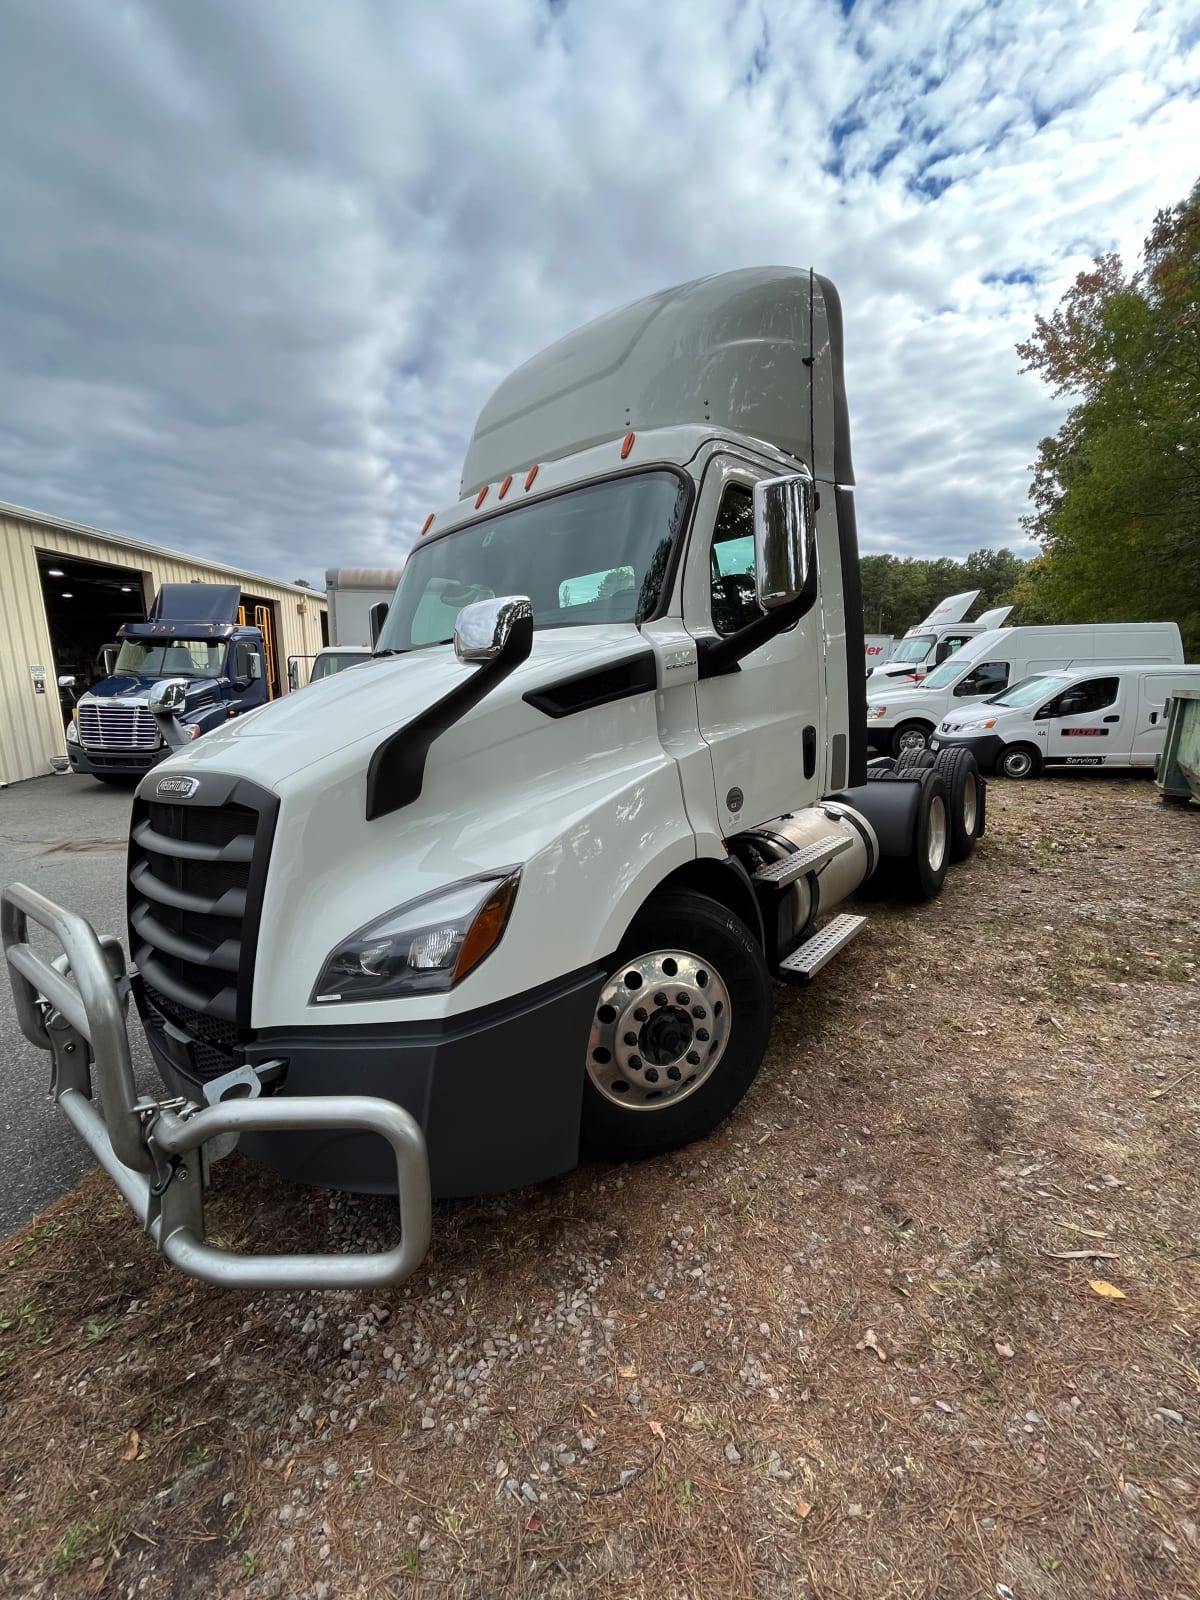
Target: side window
x,y
1081,698
989,677
731,562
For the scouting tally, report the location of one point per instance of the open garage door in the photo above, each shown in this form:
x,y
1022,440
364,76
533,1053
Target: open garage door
x,y
86,602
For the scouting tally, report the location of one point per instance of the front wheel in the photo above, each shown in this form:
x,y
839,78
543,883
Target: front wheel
x,y
680,1030
911,736
1019,761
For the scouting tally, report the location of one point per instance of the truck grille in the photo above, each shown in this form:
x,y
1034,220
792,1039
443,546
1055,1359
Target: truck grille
x,y
116,727
197,870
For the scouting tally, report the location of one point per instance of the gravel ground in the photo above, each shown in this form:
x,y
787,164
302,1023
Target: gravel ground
x,y
920,1320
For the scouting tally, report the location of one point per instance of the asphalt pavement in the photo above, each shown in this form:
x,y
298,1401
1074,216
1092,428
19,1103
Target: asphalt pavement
x,y
65,836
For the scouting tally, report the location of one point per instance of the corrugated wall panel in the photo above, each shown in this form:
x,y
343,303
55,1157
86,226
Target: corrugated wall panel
x,y
31,729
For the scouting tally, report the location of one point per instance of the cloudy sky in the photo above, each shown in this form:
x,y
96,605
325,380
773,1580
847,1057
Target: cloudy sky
x,y
262,260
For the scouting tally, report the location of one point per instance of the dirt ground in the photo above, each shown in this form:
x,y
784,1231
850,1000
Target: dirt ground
x,y
922,1320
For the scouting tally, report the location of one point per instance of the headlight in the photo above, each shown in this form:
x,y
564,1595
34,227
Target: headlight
x,y
72,732
977,727
876,711
426,946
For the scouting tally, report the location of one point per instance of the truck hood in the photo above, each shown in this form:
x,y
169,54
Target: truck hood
x,y
381,696
901,699
136,686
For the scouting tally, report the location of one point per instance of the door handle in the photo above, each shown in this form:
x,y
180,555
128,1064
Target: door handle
x,y
1115,718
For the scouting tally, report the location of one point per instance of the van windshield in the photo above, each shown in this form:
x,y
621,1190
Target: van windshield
x,y
1027,691
595,554
948,673
911,650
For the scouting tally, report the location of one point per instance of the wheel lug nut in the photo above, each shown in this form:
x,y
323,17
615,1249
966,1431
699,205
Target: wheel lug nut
x,y
693,1058
636,1062
682,999
631,1038
702,1035
698,1011
640,1014
660,999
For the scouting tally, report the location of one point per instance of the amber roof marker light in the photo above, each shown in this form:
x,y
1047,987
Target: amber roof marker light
x,y
529,477
428,523
627,445
505,486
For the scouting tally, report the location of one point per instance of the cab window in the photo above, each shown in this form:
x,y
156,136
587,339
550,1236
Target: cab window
x,y
731,562
1080,698
989,677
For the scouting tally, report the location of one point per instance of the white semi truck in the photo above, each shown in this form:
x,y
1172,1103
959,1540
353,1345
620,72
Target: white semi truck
x,y
518,887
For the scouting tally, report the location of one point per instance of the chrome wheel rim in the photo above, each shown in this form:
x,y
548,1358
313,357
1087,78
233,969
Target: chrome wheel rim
x,y
912,739
970,804
935,848
659,1032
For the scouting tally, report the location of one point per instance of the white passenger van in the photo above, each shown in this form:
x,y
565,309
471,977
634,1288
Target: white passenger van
x,y
905,718
1084,717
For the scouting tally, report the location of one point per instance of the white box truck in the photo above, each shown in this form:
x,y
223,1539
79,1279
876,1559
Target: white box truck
x,y
518,887
942,634
1079,717
901,717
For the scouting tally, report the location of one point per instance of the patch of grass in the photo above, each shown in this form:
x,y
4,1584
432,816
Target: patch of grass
x,y
97,1332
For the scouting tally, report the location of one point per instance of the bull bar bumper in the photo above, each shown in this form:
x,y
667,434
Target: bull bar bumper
x,y
158,1152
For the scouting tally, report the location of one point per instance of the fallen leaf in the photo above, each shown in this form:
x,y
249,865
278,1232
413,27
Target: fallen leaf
x,y
502,1469
289,1469
1111,1182
132,1441
656,1429
627,1372
802,1508
533,1525
1004,1351
583,1406
319,1424
1107,1291
870,1342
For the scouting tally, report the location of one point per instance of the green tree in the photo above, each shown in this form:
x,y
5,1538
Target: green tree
x,y
1116,491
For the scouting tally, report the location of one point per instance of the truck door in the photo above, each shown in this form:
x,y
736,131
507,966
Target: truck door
x,y
1148,701
764,724
1086,726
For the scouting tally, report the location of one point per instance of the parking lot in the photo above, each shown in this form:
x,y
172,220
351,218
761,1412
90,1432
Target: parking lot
x,y
66,837
921,1316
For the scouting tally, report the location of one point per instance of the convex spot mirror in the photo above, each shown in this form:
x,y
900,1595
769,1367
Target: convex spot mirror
x,y
784,538
491,628
168,698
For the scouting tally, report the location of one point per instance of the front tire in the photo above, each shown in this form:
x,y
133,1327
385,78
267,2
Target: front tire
x,y
1019,761
911,736
680,1030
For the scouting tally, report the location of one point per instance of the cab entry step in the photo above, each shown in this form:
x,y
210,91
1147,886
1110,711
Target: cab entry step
x,y
808,859
807,959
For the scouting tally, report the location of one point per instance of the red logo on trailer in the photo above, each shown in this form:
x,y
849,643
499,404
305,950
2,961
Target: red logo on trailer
x,y
1085,733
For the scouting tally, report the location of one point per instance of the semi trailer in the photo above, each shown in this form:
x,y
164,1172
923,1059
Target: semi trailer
x,y
519,887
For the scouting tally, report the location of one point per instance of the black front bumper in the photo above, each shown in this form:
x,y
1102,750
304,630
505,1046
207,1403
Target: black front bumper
x,y
114,763
986,747
497,1091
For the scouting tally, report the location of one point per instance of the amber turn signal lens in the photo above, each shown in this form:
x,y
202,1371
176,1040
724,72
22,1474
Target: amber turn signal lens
x,y
489,924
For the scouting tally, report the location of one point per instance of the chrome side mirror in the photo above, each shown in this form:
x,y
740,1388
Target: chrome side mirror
x,y
784,538
491,628
168,697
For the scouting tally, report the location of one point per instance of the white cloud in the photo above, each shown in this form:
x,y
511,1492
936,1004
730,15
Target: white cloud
x,y
262,264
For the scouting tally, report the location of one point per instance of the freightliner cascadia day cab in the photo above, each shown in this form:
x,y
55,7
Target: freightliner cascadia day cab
x,y
904,716
517,888
194,640
935,640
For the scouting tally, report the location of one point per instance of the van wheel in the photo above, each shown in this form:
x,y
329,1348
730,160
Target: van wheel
x,y
920,874
911,736
679,1032
960,771
1019,761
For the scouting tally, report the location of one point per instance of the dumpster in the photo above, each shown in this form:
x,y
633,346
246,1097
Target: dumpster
x,y
1177,773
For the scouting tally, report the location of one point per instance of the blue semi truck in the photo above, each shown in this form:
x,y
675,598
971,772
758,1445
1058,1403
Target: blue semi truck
x,y
195,662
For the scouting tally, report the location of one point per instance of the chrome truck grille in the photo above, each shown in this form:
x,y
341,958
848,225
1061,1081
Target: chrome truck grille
x,y
197,867
105,726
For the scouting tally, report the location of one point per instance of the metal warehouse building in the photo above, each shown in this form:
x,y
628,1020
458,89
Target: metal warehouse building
x,y
64,591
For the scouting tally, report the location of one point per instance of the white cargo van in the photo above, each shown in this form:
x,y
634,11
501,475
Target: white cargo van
x,y
905,718
1084,717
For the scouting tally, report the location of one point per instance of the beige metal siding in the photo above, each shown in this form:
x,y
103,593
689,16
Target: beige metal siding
x,y
31,729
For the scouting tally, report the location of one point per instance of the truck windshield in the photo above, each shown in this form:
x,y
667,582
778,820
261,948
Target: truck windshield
x,y
180,658
595,554
911,650
1028,691
942,677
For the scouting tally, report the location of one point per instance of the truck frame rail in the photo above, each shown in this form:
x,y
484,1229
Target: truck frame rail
x,y
158,1152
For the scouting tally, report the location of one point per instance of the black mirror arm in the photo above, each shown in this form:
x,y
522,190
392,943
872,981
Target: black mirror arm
x,y
715,657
